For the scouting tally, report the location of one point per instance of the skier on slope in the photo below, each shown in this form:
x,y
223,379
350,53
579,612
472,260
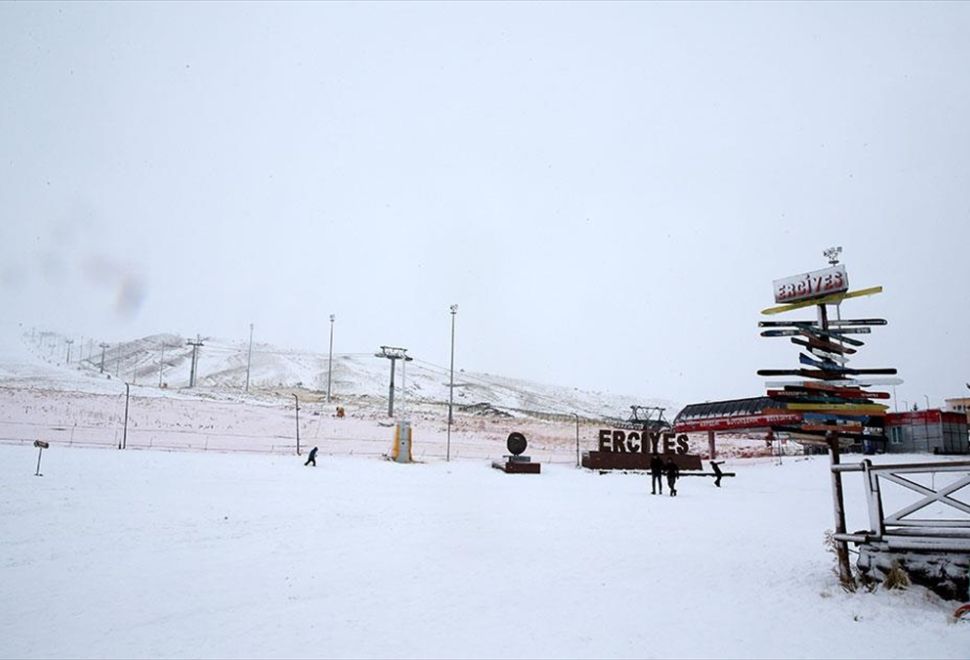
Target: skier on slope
x,y
312,459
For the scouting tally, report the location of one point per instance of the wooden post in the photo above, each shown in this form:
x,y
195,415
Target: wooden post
x,y
710,445
838,501
841,547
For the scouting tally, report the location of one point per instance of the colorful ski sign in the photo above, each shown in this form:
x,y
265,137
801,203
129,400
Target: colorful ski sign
x,y
823,344
867,408
827,375
833,299
807,329
840,323
853,382
820,364
825,355
815,284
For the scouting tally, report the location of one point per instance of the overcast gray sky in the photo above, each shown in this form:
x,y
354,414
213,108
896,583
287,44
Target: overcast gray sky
x,y
606,190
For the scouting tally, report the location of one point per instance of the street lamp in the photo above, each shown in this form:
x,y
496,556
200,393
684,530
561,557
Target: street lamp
x,y
451,384
330,359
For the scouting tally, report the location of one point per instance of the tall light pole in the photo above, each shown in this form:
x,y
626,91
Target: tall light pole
x,y
330,359
161,363
451,384
576,415
927,401
249,362
296,407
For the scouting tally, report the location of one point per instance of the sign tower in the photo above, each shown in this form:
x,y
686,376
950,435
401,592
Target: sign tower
x,y
836,406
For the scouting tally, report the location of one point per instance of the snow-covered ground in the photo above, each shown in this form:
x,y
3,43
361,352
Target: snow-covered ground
x,y
167,554
209,538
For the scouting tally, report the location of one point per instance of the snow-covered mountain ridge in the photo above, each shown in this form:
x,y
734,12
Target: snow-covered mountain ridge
x,y
164,361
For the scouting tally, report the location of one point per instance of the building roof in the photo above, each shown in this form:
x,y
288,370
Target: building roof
x,y
755,413
731,408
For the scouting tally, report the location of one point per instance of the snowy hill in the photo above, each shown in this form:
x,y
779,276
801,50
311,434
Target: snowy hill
x,y
166,359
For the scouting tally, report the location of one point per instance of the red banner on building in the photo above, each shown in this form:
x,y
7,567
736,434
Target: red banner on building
x,y
738,422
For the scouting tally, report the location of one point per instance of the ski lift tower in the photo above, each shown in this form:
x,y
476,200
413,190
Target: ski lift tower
x,y
393,354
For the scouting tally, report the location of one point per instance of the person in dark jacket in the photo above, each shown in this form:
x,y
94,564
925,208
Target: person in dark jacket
x,y
312,459
656,474
672,473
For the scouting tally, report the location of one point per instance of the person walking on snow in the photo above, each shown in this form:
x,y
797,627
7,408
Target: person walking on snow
x,y
656,474
312,459
672,473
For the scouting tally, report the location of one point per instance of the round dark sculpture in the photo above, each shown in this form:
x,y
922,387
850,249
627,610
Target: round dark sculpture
x,y
516,443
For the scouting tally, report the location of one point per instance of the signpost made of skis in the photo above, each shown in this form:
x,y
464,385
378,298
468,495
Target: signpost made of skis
x,y
832,398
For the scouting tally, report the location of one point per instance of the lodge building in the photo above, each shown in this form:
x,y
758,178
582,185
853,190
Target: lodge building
x,y
924,431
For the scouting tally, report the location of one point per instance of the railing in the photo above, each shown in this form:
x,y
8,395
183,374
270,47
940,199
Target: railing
x,y
904,529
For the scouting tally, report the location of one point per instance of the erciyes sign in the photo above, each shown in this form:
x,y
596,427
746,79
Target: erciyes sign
x,y
815,284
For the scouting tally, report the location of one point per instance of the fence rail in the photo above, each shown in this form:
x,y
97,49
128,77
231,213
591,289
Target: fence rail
x,y
903,529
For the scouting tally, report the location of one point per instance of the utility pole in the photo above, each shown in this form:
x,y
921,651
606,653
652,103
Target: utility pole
x,y
68,342
118,362
330,359
249,362
393,354
103,348
838,500
195,356
451,384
